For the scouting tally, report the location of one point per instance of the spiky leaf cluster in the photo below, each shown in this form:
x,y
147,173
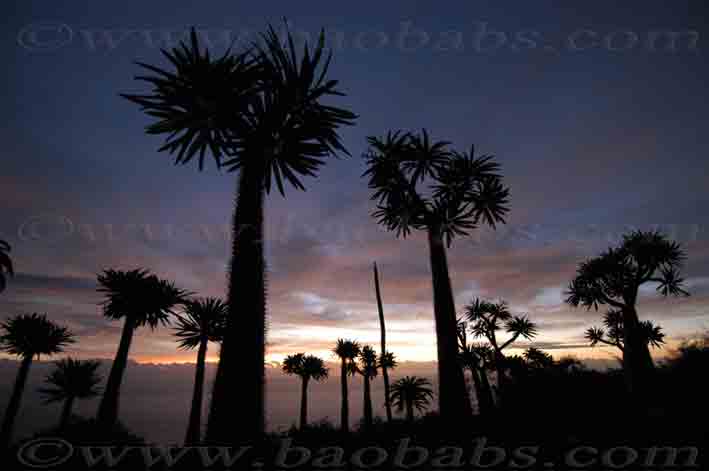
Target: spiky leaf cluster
x,y
421,184
72,379
140,296
614,277
30,335
261,106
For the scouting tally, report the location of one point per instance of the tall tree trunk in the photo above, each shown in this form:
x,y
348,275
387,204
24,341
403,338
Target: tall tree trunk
x,y
237,412
368,420
409,410
453,403
13,406
382,328
304,404
195,422
66,412
637,361
345,408
108,409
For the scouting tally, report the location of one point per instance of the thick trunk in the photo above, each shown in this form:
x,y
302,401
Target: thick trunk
x,y
66,413
304,404
368,419
345,409
237,408
382,328
409,410
637,362
13,406
108,409
195,421
453,403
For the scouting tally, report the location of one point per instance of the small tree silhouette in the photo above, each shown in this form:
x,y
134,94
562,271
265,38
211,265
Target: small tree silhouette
x,y
486,319
614,278
6,268
420,184
307,367
28,336
477,358
385,356
71,380
368,367
409,393
140,299
347,351
202,322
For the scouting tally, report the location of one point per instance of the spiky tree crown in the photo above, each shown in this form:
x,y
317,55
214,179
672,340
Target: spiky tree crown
x,y
614,277
72,379
411,388
263,104
305,366
140,296
421,184
29,335
203,318
486,318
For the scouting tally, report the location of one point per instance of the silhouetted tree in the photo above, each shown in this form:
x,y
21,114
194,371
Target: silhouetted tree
x,y
71,380
307,367
203,322
409,393
614,278
382,327
259,112
139,298
420,184
536,358
478,359
347,351
5,264
28,336
612,333
486,319
367,366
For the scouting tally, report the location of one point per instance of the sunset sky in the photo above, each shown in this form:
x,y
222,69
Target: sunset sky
x,y
594,141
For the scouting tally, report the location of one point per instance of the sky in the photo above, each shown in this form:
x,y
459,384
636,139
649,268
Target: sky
x,y
597,115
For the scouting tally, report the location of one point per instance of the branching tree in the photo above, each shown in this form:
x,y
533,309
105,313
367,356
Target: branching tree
x,y
612,334
486,318
614,279
478,359
420,184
